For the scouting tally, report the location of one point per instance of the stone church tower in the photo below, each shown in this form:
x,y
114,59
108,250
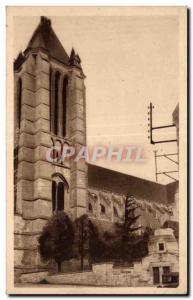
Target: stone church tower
x,y
49,111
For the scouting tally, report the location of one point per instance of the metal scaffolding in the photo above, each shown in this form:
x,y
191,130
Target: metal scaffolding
x,y
169,156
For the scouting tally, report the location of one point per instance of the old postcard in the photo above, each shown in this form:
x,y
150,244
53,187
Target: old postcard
x,y
97,150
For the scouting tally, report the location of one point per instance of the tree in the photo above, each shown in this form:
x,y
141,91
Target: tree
x,y
56,239
123,244
120,245
87,238
140,248
134,246
129,237
130,217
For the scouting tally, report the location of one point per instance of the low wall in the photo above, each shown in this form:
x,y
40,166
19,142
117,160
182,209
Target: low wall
x,y
91,278
101,275
102,268
33,277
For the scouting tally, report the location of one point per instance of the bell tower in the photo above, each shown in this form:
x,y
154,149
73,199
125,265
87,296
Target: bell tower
x,y
49,111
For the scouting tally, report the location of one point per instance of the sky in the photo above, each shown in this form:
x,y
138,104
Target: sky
x,y
128,62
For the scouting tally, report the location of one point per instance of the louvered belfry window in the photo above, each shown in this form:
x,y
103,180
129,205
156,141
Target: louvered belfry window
x,y
58,103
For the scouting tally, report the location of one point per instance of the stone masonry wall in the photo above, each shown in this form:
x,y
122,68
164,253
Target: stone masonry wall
x,y
34,172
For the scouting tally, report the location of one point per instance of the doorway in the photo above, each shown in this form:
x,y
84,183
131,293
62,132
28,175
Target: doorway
x,y
156,275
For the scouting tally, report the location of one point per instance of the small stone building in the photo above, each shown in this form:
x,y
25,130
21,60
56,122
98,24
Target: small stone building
x,y
163,257
50,110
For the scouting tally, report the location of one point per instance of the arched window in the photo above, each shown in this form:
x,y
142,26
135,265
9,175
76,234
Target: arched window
x,y
90,208
56,100
53,195
103,209
64,104
19,101
58,110
115,212
58,103
59,187
60,196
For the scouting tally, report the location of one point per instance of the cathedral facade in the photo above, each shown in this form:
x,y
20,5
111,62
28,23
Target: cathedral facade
x,y
50,110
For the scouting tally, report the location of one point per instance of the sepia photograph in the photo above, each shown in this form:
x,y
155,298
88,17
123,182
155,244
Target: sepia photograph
x,y
97,150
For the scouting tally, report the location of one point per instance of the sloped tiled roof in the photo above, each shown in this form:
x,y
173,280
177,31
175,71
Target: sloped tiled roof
x,y
45,38
116,182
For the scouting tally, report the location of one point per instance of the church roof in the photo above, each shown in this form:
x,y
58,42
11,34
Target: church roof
x,y
45,38
116,182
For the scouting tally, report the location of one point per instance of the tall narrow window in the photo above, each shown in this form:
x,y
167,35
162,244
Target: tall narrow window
x,y
59,189
60,196
103,209
19,102
90,208
64,102
53,195
115,212
56,100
